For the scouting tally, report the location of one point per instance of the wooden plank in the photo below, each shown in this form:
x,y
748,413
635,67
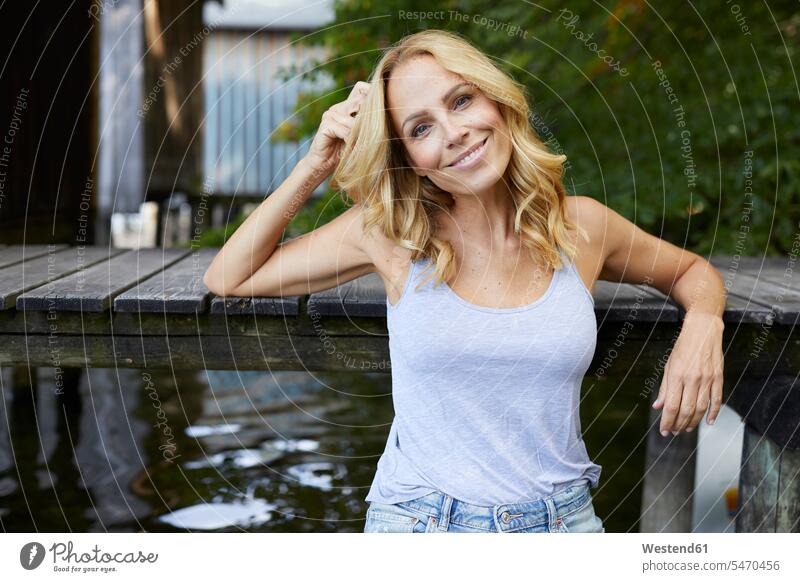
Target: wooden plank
x,y
754,285
746,303
775,269
17,253
283,306
739,310
783,300
94,288
197,352
177,289
177,324
615,301
364,296
644,344
33,273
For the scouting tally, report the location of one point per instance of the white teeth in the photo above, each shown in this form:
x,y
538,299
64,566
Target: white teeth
x,y
470,157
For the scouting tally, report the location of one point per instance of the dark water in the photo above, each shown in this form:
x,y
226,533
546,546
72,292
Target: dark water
x,y
246,451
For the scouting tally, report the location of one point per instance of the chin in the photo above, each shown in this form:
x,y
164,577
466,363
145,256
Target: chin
x,y
482,179
473,187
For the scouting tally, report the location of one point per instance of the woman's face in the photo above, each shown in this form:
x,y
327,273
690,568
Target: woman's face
x,y
440,118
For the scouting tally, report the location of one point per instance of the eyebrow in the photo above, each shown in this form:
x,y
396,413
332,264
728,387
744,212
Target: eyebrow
x,y
445,98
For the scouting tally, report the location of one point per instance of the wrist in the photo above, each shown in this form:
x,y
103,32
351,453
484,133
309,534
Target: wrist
x,y
310,175
314,168
706,317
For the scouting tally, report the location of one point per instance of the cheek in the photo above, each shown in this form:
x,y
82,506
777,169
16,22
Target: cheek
x,y
425,156
497,122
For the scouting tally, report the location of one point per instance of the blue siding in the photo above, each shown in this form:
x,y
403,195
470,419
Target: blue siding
x,y
245,102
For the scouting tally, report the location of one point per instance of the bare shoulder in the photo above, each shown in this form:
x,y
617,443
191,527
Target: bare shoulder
x,y
589,215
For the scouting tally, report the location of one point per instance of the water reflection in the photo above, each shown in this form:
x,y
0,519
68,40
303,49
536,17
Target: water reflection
x,y
132,450
214,515
256,451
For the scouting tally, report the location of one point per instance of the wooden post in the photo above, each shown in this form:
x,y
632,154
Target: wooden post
x,y
668,490
769,486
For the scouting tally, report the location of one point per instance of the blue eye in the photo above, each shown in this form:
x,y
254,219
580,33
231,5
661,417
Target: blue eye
x,y
468,97
414,132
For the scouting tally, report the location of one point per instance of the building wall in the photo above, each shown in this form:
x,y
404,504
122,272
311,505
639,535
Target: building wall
x,y
245,101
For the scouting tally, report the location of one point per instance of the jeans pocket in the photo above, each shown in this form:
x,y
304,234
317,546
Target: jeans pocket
x,y
385,518
581,520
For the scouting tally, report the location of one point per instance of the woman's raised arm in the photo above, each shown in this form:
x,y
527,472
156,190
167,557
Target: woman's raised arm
x,y
252,263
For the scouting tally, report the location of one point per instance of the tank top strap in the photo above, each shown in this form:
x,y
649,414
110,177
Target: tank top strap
x,y
411,277
572,271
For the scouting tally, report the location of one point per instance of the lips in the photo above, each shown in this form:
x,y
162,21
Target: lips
x,y
468,152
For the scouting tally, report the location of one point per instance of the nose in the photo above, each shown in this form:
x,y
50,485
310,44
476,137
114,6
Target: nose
x,y
455,134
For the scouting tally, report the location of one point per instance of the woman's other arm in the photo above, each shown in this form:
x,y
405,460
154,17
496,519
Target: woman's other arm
x,y
693,375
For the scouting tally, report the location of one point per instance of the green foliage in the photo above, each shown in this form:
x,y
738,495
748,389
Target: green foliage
x,y
676,168
216,237
316,213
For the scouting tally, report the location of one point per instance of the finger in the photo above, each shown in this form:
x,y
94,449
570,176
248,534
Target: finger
x,y
662,390
343,109
334,129
691,388
703,398
716,398
362,87
354,106
335,113
672,403
357,93
345,120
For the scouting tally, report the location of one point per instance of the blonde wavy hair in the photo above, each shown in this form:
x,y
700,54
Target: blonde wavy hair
x,y
375,171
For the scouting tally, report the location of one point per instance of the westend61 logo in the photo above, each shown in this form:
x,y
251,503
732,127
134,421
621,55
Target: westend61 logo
x,y
32,555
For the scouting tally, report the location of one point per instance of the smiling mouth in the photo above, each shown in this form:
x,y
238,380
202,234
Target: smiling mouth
x,y
470,154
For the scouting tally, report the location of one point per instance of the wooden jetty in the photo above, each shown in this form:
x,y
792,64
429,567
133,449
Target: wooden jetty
x,y
73,307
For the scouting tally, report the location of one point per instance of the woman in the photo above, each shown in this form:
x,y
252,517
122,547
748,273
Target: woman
x,y
460,209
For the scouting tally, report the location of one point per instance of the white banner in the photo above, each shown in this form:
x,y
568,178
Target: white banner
x,y
358,556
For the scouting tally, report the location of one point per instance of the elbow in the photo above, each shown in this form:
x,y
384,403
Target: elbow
x,y
213,284
210,284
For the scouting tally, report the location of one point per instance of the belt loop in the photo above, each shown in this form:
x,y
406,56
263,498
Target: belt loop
x,y
444,517
552,513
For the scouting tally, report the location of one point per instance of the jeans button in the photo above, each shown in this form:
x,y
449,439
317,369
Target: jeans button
x,y
505,517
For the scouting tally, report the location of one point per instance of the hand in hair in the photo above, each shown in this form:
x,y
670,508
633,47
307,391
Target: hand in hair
x,y
334,130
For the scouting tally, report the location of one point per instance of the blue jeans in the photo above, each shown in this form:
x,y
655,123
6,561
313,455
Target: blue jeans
x,y
567,511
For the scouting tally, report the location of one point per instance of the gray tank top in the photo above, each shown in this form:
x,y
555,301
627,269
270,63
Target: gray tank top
x,y
486,399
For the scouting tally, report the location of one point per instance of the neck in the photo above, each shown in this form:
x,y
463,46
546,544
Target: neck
x,y
486,218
